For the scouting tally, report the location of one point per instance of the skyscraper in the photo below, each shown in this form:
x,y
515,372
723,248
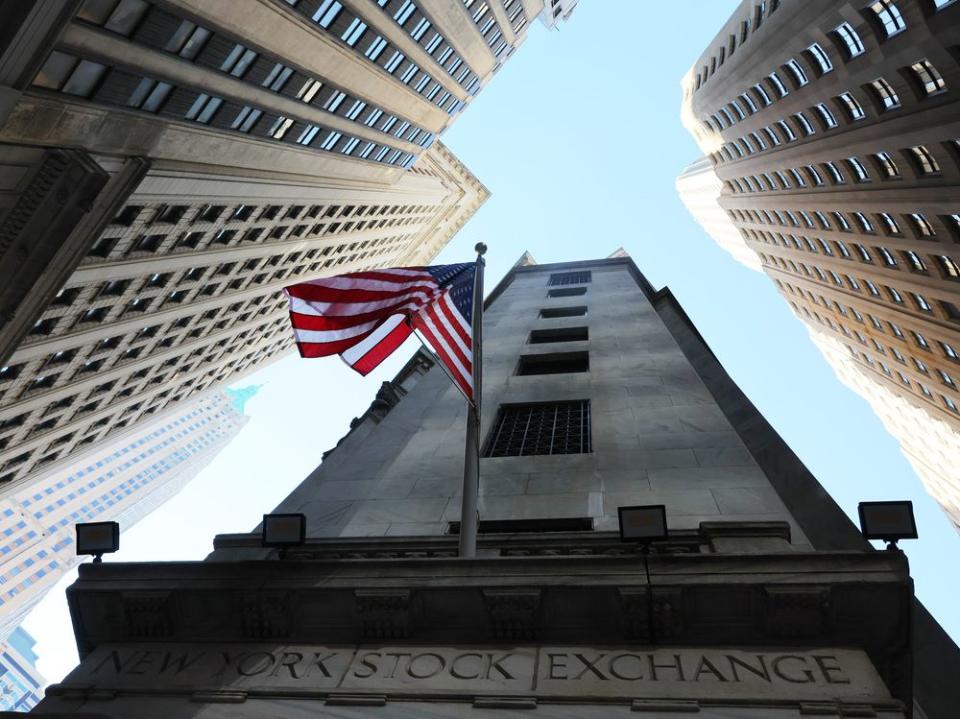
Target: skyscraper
x,y
831,131
169,166
760,599
556,10
20,682
121,480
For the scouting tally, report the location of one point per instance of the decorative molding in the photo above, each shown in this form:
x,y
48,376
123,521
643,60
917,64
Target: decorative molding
x,y
264,614
667,612
635,617
147,615
514,612
797,612
383,613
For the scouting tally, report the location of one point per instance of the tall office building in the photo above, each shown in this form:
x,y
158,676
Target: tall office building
x,y
762,601
831,128
20,682
168,166
122,480
556,10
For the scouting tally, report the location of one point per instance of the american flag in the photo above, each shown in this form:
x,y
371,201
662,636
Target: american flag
x,y
365,316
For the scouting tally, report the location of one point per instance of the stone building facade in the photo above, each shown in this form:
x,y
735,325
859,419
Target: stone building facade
x,y
598,393
175,163
832,128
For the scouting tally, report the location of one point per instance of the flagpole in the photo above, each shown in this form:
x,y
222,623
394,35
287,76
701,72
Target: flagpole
x,y
469,516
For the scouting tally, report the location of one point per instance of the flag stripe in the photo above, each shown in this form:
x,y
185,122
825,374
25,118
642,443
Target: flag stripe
x,y
365,316
383,349
336,322
359,293
443,332
324,336
348,309
445,311
440,346
399,284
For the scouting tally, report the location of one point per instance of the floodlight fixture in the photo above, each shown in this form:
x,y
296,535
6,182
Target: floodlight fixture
x,y
97,539
888,521
643,524
284,530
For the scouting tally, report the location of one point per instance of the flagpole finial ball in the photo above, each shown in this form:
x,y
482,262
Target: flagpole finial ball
x,y
481,249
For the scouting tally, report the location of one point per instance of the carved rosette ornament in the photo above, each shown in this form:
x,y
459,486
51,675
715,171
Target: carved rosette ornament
x,y
514,613
797,612
147,615
667,612
384,613
633,605
264,615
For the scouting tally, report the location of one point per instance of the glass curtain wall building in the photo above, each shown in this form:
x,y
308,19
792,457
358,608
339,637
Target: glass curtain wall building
x,y
123,481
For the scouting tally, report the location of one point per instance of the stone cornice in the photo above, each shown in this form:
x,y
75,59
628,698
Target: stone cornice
x,y
846,599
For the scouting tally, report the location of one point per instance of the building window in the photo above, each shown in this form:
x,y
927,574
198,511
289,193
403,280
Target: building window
x,y
885,93
930,79
567,292
764,95
887,166
554,312
203,108
948,267
926,163
69,74
149,95
889,16
560,334
238,61
915,262
569,278
539,429
864,222
821,57
121,17
778,84
829,121
850,39
859,171
921,302
950,310
854,110
557,363
922,225
835,173
188,40
797,71
891,224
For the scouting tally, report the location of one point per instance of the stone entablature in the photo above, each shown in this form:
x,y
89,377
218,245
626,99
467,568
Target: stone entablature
x,y
795,601
526,674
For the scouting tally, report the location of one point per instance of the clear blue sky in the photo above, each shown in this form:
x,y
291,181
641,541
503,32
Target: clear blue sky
x,y
578,138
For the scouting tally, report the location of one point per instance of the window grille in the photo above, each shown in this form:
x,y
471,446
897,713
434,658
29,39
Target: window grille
x,y
544,428
569,278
